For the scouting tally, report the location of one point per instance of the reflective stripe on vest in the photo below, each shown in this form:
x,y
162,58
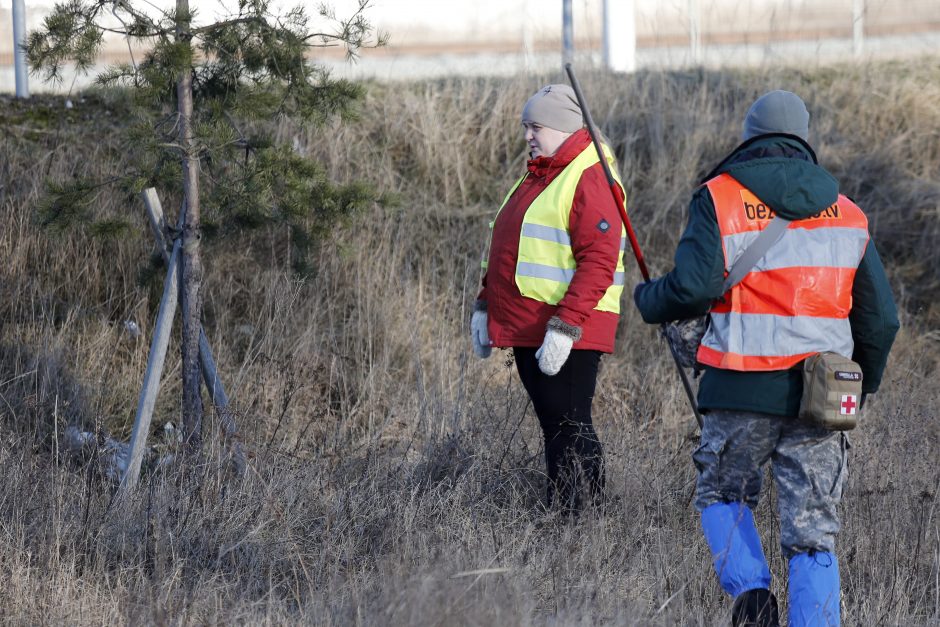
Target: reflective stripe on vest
x,y
795,302
546,264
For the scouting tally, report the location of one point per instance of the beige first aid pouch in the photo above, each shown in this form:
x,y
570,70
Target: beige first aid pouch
x,y
832,391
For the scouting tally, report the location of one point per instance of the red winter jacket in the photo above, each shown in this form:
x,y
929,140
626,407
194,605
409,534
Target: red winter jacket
x,y
515,320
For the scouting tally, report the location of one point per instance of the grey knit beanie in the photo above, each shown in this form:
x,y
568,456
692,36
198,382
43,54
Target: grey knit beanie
x,y
777,112
554,106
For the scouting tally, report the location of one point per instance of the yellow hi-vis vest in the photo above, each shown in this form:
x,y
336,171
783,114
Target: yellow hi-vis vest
x,y
546,263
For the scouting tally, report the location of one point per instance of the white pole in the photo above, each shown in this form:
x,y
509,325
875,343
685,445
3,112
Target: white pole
x,y
695,34
148,393
19,54
527,18
620,35
567,33
858,28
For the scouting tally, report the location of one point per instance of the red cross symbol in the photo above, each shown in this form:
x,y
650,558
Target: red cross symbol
x,y
848,405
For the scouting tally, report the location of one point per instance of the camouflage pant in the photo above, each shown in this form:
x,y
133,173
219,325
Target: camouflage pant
x,y
809,467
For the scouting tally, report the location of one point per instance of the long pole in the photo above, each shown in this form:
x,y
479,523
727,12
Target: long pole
x,y
858,28
695,31
614,187
619,19
567,33
528,49
19,52
619,199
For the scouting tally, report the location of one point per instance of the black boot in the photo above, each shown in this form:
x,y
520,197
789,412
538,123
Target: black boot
x,y
755,608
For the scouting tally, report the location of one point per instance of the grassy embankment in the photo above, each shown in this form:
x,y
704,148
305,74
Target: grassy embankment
x,y
388,464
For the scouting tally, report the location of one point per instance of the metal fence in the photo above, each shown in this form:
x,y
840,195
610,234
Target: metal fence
x,y
433,38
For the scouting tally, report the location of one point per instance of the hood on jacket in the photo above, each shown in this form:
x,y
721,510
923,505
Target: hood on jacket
x,y
782,171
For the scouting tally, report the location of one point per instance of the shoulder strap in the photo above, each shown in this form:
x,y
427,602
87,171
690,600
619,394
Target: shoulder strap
x,y
755,251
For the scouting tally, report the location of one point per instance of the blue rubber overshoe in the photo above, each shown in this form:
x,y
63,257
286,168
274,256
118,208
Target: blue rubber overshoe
x,y
814,590
735,546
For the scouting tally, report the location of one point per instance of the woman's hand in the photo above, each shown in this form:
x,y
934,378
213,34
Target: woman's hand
x,y
559,338
554,352
479,335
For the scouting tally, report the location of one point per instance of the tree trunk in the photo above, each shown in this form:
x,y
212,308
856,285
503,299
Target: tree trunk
x,y
190,299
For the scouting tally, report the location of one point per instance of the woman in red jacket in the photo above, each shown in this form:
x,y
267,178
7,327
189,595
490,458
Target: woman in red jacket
x,y
551,288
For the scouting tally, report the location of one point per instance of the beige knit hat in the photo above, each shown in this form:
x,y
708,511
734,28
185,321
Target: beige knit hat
x,y
554,106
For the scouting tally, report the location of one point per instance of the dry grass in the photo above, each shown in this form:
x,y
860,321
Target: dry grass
x,y
395,479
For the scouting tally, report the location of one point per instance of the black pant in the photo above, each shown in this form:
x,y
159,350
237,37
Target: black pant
x,y
573,454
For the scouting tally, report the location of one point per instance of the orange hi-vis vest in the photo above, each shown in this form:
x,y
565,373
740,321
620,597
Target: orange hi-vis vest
x,y
795,302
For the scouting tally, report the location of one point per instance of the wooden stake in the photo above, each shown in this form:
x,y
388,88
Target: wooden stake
x,y
206,361
148,394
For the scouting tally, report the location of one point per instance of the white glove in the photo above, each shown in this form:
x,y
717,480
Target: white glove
x,y
554,351
479,335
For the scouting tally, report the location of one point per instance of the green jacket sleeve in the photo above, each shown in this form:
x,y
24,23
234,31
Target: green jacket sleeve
x,y
696,279
874,319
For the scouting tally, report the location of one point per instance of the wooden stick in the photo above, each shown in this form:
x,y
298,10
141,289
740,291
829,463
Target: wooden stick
x,y
206,361
619,200
148,394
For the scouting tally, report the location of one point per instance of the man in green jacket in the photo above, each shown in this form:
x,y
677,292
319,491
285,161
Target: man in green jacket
x,y
787,304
